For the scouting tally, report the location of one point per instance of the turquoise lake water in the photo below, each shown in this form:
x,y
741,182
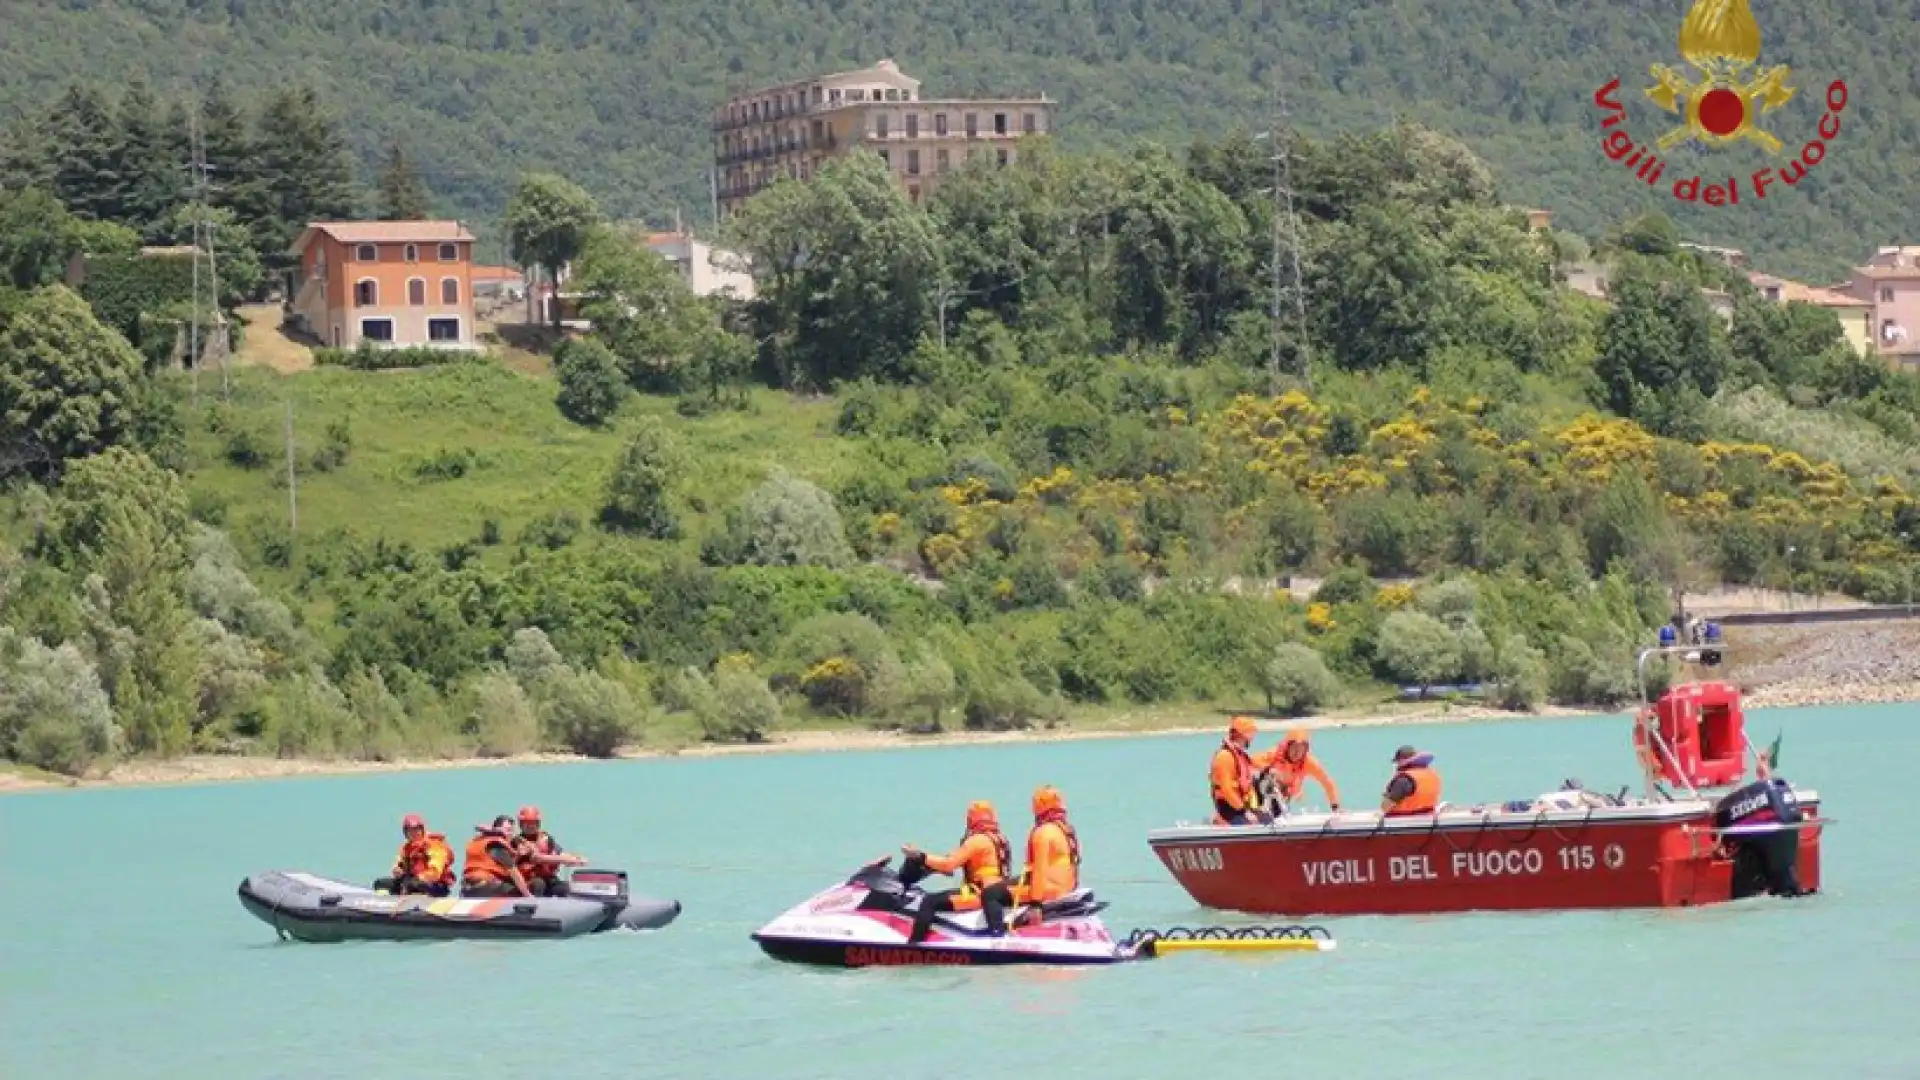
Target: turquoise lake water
x,y
150,968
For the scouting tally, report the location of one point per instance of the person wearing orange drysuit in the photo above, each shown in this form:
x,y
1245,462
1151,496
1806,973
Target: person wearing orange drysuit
x,y
981,859
540,856
1234,800
492,862
424,866
1291,764
1053,851
1415,787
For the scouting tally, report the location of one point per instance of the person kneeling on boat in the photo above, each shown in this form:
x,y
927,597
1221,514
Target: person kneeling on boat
x,y
1415,787
1053,852
1235,801
981,859
492,862
540,856
1290,765
425,864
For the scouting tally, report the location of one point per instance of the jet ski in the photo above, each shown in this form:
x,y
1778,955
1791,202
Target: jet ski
x,y
865,921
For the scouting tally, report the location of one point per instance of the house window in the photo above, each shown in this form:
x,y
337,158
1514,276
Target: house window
x,y
1029,123
366,293
366,253
999,123
376,329
413,253
1773,292
880,125
450,290
939,123
449,252
913,163
443,329
417,292
1886,296
940,160
913,125
973,125
833,96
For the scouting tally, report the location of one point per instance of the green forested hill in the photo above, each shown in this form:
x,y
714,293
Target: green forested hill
x,y
617,93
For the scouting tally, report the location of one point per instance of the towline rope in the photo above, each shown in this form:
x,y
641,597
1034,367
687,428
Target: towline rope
x,y
1152,942
816,872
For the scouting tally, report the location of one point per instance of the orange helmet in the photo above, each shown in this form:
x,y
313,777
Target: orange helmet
x,y
412,821
981,814
1047,799
1243,728
1295,736
529,814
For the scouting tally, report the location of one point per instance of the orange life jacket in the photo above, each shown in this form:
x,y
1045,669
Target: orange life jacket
x,y
416,859
538,845
1241,796
1053,880
1425,795
481,865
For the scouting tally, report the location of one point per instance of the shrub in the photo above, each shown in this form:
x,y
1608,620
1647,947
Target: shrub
x,y
587,712
531,657
592,384
1419,648
785,521
54,715
503,719
1296,679
370,357
639,493
738,707
1520,679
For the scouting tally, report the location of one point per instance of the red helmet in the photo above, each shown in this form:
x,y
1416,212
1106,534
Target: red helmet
x,y
981,815
412,821
1047,799
530,814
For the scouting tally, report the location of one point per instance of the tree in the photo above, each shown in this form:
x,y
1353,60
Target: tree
x,y
120,524
81,139
148,181
847,267
403,195
640,491
639,306
53,713
304,170
592,385
1662,351
1419,648
548,221
67,384
241,272
1296,679
36,238
785,521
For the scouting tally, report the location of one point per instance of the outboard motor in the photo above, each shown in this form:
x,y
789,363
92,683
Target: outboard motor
x,y
1764,860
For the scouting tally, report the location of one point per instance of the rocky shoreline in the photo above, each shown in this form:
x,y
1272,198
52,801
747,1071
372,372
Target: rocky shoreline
x,y
1860,663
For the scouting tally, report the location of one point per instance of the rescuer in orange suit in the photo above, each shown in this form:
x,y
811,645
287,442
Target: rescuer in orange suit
x,y
492,857
1415,787
540,856
1291,764
981,860
1235,802
424,866
1053,851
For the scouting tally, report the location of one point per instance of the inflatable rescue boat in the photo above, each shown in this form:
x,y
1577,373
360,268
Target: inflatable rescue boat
x,y
306,907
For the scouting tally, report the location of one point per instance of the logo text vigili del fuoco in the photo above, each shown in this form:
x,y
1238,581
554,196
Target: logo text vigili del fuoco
x,y
1720,41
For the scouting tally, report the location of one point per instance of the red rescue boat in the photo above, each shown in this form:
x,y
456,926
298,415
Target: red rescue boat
x,y
1683,844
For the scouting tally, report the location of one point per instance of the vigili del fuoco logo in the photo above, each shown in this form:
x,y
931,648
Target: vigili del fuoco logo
x,y
1726,104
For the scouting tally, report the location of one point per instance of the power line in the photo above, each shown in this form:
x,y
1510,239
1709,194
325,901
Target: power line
x,y
1286,235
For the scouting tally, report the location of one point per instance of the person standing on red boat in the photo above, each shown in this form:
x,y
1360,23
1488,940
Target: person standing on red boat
x,y
1415,787
1235,802
1291,764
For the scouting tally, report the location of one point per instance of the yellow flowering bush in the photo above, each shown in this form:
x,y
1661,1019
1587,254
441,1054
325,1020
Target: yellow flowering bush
x,y
1319,618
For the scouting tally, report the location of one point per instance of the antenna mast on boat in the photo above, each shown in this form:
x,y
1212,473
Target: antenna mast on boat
x,y
1286,244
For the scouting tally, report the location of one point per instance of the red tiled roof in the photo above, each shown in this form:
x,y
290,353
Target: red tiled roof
x,y
375,232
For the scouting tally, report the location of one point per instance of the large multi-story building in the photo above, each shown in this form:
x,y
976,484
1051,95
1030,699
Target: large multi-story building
x,y
789,130
1890,281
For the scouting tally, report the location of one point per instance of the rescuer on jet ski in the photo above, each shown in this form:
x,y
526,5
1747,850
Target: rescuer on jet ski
x,y
982,860
1290,764
424,866
539,856
1235,802
491,868
1053,851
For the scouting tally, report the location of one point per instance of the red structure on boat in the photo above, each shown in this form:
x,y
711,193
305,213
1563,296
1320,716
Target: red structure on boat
x,y
1570,849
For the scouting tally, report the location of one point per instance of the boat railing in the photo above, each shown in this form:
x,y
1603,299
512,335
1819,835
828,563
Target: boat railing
x,y
1687,653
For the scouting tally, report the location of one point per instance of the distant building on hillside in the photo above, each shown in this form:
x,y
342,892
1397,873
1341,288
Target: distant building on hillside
x,y
791,129
392,283
1733,257
1890,281
707,270
1855,314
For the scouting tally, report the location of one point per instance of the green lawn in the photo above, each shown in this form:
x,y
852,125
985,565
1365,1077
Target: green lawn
x,y
526,460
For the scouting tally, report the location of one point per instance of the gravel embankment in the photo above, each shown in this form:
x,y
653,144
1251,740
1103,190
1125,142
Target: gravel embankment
x,y
1835,663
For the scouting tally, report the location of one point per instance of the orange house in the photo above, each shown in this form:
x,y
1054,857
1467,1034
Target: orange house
x,y
395,284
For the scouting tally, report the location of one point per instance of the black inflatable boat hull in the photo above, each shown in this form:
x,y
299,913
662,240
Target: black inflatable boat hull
x,y
306,907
